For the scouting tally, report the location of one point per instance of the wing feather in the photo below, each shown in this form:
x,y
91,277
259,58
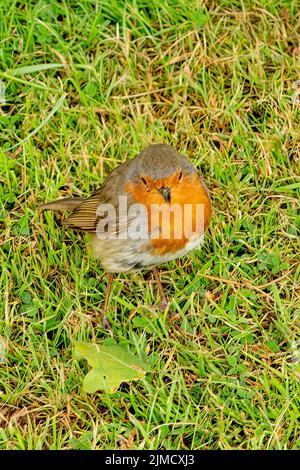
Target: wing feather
x,y
85,217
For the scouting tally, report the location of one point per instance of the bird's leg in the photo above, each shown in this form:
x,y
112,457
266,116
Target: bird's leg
x,y
105,321
163,305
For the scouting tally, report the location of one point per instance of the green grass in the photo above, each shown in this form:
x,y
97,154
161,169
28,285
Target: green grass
x,y
217,82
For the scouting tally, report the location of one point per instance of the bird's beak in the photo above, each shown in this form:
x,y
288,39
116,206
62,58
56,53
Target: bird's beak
x,y
166,193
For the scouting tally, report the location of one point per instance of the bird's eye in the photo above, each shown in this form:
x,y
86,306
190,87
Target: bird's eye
x,y
144,181
180,176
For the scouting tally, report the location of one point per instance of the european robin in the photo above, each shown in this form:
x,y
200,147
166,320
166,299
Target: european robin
x,y
149,210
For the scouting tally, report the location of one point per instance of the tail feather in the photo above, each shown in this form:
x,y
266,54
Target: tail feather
x,y
67,204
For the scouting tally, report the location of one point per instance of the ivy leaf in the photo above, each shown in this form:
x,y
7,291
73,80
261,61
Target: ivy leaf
x,y
111,365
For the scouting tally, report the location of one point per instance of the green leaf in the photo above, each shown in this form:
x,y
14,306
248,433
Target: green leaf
x,y
22,227
232,361
111,365
273,345
285,265
26,298
140,322
288,187
35,68
84,442
200,19
91,89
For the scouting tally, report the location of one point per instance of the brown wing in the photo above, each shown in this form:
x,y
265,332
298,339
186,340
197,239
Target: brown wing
x,y
85,217
66,204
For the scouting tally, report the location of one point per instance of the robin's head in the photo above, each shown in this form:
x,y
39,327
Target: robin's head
x,y
161,169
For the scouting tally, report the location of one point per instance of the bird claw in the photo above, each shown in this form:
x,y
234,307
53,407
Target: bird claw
x,y
163,306
105,323
171,315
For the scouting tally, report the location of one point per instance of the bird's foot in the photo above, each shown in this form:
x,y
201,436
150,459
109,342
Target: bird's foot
x,y
105,323
171,315
163,306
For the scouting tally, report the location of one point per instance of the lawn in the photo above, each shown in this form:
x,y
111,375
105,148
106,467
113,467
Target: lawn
x,y
86,85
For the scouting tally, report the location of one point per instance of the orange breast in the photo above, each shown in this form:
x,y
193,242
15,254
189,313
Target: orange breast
x,y
174,224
